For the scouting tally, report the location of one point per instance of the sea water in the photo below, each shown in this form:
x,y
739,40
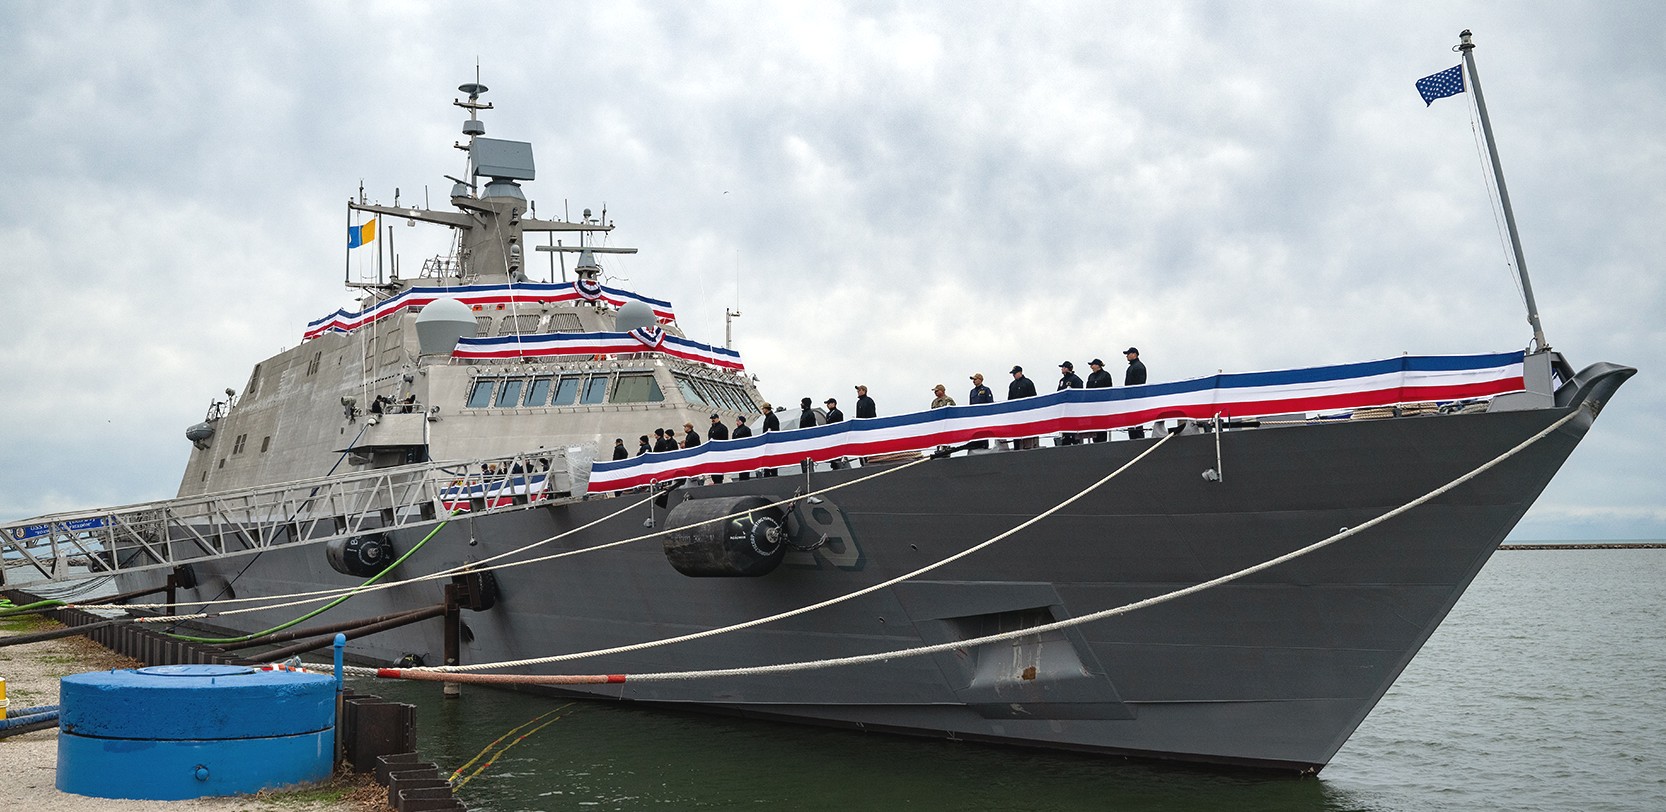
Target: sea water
x,y
1545,689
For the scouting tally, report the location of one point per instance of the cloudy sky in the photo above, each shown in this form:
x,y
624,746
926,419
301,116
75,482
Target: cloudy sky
x,y
896,194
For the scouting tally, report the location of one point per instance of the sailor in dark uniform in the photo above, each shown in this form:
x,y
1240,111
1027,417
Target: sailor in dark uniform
x,y
979,394
718,431
1134,377
739,432
864,405
1069,380
619,451
1099,379
1022,387
771,423
835,416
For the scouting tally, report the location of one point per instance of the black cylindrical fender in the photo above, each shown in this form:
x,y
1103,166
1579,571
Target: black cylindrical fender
x,y
747,546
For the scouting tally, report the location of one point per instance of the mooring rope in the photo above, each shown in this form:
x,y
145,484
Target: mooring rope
x,y
325,594
474,567
455,784
808,665
822,604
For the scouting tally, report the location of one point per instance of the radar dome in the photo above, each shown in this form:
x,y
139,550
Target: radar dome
x,y
634,315
440,324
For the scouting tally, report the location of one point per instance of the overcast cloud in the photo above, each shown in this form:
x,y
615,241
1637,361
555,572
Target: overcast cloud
x,y
896,194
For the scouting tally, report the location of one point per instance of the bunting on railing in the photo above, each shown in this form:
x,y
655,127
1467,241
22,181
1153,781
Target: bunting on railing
x,y
494,490
1407,379
552,344
529,293
588,289
651,337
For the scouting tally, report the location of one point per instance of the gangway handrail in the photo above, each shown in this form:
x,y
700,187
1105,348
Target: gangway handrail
x,y
171,532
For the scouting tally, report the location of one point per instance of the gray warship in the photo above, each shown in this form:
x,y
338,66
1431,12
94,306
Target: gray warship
x,y
377,441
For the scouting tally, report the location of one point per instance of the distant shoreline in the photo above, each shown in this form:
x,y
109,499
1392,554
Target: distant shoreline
x,y
1587,545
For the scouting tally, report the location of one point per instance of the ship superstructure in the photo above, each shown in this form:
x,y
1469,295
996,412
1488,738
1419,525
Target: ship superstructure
x,y
364,391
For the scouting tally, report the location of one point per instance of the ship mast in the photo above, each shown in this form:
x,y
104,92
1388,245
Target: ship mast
x,y
1467,48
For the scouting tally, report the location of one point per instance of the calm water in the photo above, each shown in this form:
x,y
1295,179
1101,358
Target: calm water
x,y
1544,690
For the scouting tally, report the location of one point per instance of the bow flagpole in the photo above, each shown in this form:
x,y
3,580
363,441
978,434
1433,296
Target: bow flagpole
x,y
1448,83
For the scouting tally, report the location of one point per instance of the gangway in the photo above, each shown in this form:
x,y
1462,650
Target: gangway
x,y
173,532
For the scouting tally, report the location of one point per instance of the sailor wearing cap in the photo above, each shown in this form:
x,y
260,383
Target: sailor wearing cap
x,y
1134,377
1098,378
1136,368
940,397
834,416
718,431
1021,387
980,394
740,431
1067,376
1068,380
864,404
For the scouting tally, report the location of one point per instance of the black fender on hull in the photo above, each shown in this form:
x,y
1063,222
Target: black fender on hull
x,y
745,546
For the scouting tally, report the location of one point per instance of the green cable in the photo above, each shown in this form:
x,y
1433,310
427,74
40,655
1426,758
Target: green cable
x,y
8,608
320,610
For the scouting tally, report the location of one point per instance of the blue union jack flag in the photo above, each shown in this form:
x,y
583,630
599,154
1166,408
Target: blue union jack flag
x,y
1449,82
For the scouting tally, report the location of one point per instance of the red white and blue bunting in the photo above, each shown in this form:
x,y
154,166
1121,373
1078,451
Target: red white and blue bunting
x,y
651,337
528,293
1407,379
545,345
588,289
494,490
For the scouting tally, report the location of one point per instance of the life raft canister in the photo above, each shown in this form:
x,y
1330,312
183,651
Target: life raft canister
x,y
747,546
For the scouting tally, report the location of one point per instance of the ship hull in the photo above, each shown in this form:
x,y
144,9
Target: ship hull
x,y
1274,670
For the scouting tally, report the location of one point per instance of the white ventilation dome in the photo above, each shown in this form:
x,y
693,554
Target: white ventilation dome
x,y
633,315
441,323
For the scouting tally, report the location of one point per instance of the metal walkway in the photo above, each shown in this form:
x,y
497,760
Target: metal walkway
x,y
169,533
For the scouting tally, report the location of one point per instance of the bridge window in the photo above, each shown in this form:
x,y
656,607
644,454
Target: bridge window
x,y
510,395
481,395
637,388
595,389
566,392
690,394
538,394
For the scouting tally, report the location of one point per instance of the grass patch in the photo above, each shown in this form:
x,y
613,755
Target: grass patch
x,y
27,624
344,790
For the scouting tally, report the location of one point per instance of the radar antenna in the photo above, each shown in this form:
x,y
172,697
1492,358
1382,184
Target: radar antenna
x,y
473,125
